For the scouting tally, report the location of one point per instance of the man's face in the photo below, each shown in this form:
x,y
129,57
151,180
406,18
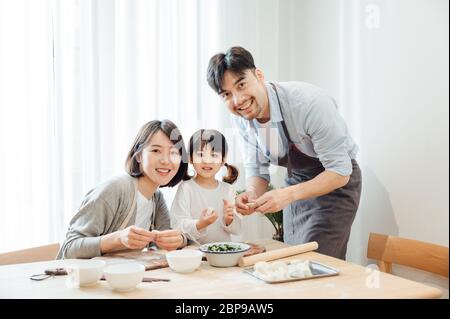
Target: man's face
x,y
245,95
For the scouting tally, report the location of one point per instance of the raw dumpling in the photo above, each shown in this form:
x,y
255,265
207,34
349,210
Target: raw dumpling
x,y
279,274
279,271
262,267
279,266
299,270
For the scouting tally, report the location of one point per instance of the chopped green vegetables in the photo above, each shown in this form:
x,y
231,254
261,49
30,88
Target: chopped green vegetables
x,y
223,247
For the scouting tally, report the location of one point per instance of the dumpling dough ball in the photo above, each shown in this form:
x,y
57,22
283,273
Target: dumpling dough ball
x,y
209,211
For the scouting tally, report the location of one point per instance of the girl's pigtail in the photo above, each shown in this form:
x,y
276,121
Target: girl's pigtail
x,y
186,176
233,174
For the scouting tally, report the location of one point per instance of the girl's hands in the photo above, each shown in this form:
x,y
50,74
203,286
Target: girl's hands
x,y
228,215
206,218
134,237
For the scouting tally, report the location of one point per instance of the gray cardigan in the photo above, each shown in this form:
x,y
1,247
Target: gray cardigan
x,y
102,211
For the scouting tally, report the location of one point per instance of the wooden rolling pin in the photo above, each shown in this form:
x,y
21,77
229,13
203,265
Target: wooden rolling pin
x,y
278,253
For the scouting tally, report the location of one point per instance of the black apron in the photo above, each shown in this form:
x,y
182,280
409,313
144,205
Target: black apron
x,y
326,219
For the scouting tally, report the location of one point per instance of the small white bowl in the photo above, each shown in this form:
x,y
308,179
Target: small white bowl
x,y
224,258
84,272
185,260
124,277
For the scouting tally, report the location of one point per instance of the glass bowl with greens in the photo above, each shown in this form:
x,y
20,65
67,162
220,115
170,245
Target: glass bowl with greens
x,y
224,254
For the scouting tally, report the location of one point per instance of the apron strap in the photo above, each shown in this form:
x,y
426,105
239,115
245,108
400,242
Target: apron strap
x,y
290,144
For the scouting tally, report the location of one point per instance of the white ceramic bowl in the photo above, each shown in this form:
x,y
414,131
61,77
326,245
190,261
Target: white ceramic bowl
x,y
84,272
224,258
185,260
124,277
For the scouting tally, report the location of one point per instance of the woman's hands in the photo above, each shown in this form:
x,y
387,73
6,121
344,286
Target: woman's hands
x,y
168,239
135,238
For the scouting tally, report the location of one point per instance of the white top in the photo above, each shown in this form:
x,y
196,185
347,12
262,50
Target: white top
x,y
144,211
188,204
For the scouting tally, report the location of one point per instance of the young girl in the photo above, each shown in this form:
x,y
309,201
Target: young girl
x,y
203,207
123,212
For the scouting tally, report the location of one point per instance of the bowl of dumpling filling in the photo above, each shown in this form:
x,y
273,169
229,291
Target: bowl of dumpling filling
x,y
224,254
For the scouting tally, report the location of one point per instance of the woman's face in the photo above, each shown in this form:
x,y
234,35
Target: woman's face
x,y
160,159
206,162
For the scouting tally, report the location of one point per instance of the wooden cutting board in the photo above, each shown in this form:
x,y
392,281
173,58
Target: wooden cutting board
x,y
150,259
254,250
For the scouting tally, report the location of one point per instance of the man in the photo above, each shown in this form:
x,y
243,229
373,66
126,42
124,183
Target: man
x,y
294,125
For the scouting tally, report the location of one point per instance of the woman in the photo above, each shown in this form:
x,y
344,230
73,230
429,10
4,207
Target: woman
x,y
129,211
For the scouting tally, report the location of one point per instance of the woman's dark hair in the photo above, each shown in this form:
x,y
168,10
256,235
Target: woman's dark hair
x,y
218,143
144,136
236,60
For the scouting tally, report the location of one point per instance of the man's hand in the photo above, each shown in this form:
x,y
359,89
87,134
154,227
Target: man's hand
x,y
245,203
273,201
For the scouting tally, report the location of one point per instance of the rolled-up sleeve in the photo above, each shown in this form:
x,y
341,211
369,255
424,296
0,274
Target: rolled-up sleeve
x,y
255,163
328,133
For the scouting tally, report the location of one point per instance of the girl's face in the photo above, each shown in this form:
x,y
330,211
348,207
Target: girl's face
x,y
206,162
160,159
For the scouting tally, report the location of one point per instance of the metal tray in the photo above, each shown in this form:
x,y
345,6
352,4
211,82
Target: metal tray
x,y
318,270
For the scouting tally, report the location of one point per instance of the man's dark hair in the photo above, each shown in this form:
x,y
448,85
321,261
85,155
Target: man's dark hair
x,y
236,60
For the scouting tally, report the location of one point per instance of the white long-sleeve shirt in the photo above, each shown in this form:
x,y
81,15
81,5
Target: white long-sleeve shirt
x,y
191,199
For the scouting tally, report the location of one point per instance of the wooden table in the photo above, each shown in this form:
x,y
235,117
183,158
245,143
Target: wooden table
x,y
354,281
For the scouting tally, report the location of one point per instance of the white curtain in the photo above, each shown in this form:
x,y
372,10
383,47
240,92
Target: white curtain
x,y
29,202
79,77
118,65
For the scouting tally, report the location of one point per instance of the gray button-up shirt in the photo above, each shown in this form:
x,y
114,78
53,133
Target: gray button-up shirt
x,y
314,126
